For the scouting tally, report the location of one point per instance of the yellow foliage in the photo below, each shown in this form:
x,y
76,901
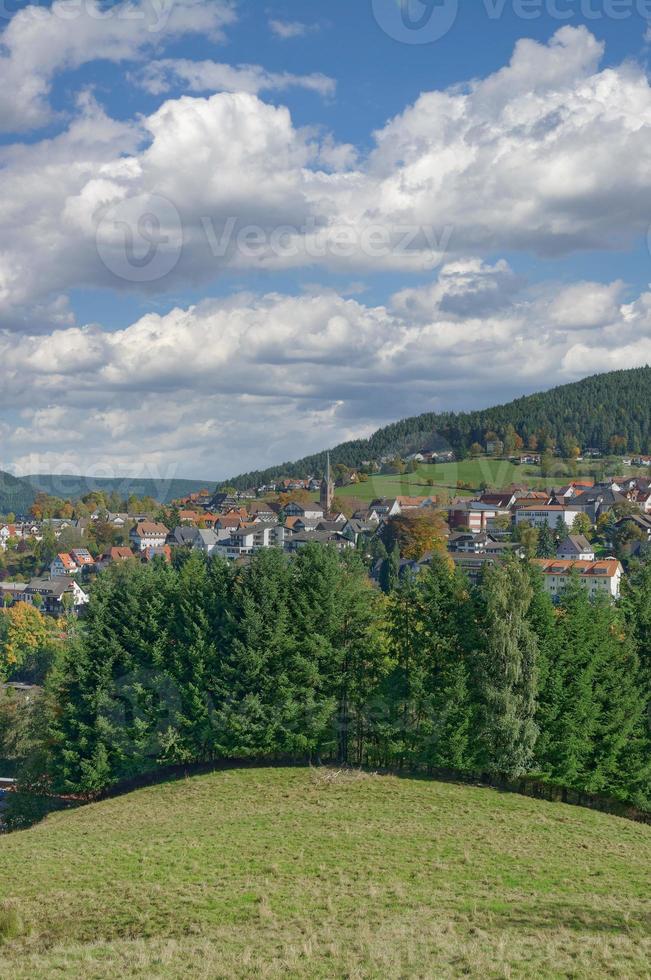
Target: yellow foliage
x,y
28,631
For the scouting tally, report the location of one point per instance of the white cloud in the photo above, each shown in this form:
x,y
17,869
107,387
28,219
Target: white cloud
x,y
251,380
548,155
211,76
38,42
288,29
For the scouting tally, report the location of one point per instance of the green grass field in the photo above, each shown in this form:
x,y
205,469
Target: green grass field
x,y
310,873
495,473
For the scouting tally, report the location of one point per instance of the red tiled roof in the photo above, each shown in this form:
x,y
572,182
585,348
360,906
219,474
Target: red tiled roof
x,y
606,567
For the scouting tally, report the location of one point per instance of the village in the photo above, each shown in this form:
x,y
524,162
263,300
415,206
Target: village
x,y
584,528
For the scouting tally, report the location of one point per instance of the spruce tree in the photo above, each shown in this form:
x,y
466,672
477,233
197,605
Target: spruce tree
x,y
506,673
390,570
447,626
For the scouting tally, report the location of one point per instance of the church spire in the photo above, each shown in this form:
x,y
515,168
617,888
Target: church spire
x,y
327,489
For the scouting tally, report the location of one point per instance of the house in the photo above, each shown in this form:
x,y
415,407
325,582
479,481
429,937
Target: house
x,y
251,538
7,532
300,524
182,537
222,502
205,540
642,521
11,592
83,558
227,523
602,577
310,512
386,507
148,534
473,566
475,515
114,555
575,547
336,540
500,501
416,503
546,515
151,552
597,501
354,529
642,498
263,510
63,564
465,542
573,489
53,592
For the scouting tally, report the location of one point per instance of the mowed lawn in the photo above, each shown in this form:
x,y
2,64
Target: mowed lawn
x,y
310,873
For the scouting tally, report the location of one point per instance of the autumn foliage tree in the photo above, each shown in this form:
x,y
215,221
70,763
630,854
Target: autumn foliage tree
x,y
416,534
28,634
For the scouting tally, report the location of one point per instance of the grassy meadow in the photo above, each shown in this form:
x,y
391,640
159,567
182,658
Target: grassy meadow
x,y
314,873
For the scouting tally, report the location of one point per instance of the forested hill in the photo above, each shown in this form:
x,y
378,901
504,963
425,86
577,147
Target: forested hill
x,y
593,411
16,494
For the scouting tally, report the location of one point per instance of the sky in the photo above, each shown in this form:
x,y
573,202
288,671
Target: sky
x,y
233,233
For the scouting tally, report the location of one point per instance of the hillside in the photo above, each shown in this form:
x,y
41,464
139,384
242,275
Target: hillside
x,y
593,411
74,487
292,872
16,495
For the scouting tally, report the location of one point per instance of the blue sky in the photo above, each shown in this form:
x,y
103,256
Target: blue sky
x,y
501,151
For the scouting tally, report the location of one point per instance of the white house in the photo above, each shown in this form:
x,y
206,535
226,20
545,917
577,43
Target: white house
x,y
546,515
310,512
386,507
575,547
148,534
52,592
599,577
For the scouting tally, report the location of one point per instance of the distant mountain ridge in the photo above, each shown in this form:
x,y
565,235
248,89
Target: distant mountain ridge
x,y
593,410
17,494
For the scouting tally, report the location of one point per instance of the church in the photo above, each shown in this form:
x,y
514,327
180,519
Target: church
x,y
326,496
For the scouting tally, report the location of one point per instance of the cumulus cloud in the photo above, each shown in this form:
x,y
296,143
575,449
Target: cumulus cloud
x,y
549,155
213,387
38,42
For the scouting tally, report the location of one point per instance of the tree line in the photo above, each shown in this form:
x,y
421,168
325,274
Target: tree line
x,y
304,659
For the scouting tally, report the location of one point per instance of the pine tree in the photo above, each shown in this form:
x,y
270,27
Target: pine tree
x,y
447,623
190,662
114,692
254,711
546,543
409,708
390,571
506,673
567,709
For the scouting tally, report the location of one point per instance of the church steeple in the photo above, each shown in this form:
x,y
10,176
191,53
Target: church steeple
x,y
327,489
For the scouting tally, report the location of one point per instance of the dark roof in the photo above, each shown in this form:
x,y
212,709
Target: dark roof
x,y
577,543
